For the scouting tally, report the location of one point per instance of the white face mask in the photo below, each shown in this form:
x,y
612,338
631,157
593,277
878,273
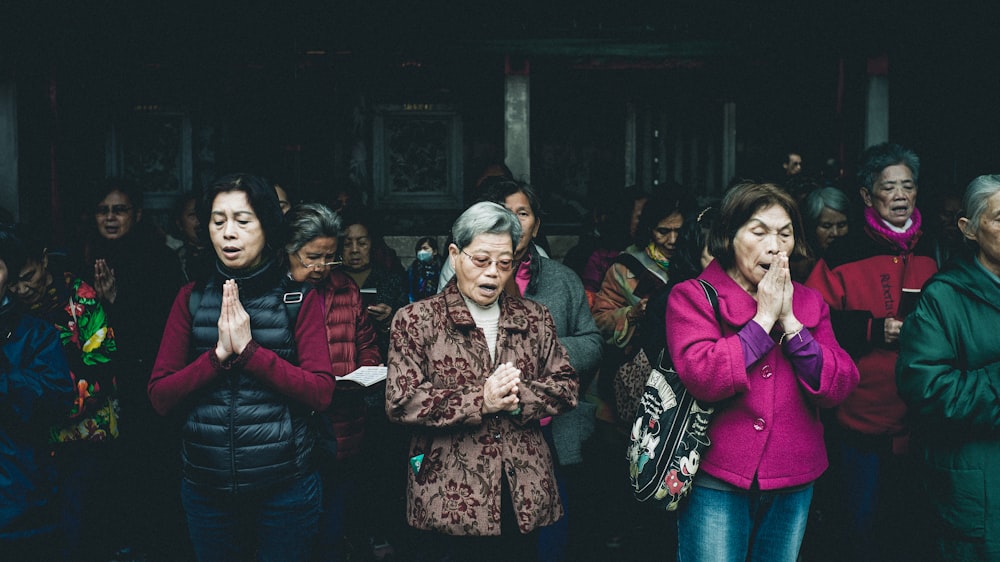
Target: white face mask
x,y
425,255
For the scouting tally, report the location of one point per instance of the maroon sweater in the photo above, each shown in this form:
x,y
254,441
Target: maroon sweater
x,y
175,377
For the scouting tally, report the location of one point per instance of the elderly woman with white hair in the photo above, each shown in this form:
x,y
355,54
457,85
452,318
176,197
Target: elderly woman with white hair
x,y
473,369
824,214
947,373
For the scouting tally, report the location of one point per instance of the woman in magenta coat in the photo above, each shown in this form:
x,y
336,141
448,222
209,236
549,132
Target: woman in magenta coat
x,y
769,367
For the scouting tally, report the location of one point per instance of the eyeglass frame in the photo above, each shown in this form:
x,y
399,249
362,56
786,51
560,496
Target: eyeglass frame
x,y
492,261
116,210
316,266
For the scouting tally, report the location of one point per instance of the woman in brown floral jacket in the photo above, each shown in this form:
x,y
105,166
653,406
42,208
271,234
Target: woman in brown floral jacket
x,y
473,370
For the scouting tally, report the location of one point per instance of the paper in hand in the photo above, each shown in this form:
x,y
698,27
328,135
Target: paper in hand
x,y
367,375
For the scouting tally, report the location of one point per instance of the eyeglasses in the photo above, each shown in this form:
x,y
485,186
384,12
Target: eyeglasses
x,y
316,266
482,261
112,210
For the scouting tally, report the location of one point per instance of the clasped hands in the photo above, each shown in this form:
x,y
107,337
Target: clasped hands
x,y
774,298
500,393
234,323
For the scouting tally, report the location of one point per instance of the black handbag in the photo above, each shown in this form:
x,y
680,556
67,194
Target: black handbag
x,y
669,433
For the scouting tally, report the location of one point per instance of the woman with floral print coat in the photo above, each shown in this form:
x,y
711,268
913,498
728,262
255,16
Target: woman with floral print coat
x,y
473,370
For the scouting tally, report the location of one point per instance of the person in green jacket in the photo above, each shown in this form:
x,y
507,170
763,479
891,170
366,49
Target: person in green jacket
x,y
948,373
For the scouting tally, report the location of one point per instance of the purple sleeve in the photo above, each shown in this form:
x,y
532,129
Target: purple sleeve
x,y
755,342
806,357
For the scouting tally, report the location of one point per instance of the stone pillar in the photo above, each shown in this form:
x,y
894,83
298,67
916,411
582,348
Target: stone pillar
x,y
877,103
728,145
8,147
517,115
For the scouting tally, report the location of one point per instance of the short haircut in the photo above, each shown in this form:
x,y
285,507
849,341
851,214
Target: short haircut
x,y
824,197
738,207
499,191
879,157
485,217
429,240
128,187
308,221
263,200
976,196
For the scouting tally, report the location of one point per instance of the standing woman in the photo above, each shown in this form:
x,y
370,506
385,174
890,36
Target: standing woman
x,y
864,277
472,370
949,362
771,364
312,252
135,274
244,375
382,288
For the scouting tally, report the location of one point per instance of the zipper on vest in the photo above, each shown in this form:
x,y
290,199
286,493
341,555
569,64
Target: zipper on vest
x,y
234,389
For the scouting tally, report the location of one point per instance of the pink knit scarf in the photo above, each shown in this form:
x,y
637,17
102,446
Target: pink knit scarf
x,y
905,240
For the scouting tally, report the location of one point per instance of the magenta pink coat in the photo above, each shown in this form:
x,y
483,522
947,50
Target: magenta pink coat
x,y
767,425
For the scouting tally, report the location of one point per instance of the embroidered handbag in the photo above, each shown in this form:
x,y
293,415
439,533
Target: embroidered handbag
x,y
669,433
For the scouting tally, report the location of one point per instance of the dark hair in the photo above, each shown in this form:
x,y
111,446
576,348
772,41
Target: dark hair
x,y
12,251
128,187
498,192
658,207
685,263
738,206
429,240
263,200
879,157
359,214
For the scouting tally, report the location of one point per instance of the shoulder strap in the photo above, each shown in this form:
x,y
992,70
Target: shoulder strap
x,y
712,295
295,293
648,281
292,298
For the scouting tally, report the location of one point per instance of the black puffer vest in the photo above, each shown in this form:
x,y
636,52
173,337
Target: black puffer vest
x,y
239,434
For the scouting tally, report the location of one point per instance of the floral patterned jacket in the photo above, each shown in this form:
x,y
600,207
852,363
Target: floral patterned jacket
x,y
89,342
438,362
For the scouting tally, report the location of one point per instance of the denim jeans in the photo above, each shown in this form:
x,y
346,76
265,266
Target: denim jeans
x,y
278,524
727,526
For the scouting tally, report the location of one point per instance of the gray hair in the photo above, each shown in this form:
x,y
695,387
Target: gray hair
x,y
485,218
308,221
879,157
824,197
976,195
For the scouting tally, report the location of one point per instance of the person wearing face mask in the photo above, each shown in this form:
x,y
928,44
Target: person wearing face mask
x,y
871,279
424,272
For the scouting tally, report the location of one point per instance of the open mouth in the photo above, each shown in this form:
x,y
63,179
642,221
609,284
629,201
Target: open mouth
x,y
766,266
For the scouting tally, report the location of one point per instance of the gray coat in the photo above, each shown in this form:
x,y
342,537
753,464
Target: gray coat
x,y
561,291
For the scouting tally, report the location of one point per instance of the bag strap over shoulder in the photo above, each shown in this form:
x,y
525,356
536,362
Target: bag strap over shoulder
x,y
648,282
713,297
663,361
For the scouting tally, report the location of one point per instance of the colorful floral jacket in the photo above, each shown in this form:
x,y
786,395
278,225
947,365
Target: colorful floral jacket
x,y
438,362
88,341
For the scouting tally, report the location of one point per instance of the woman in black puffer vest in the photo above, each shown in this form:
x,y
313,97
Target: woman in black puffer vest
x,y
244,372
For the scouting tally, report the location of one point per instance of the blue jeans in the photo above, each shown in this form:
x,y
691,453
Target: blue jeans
x,y
727,526
276,524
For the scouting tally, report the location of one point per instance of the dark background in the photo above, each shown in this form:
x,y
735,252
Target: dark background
x,y
287,90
